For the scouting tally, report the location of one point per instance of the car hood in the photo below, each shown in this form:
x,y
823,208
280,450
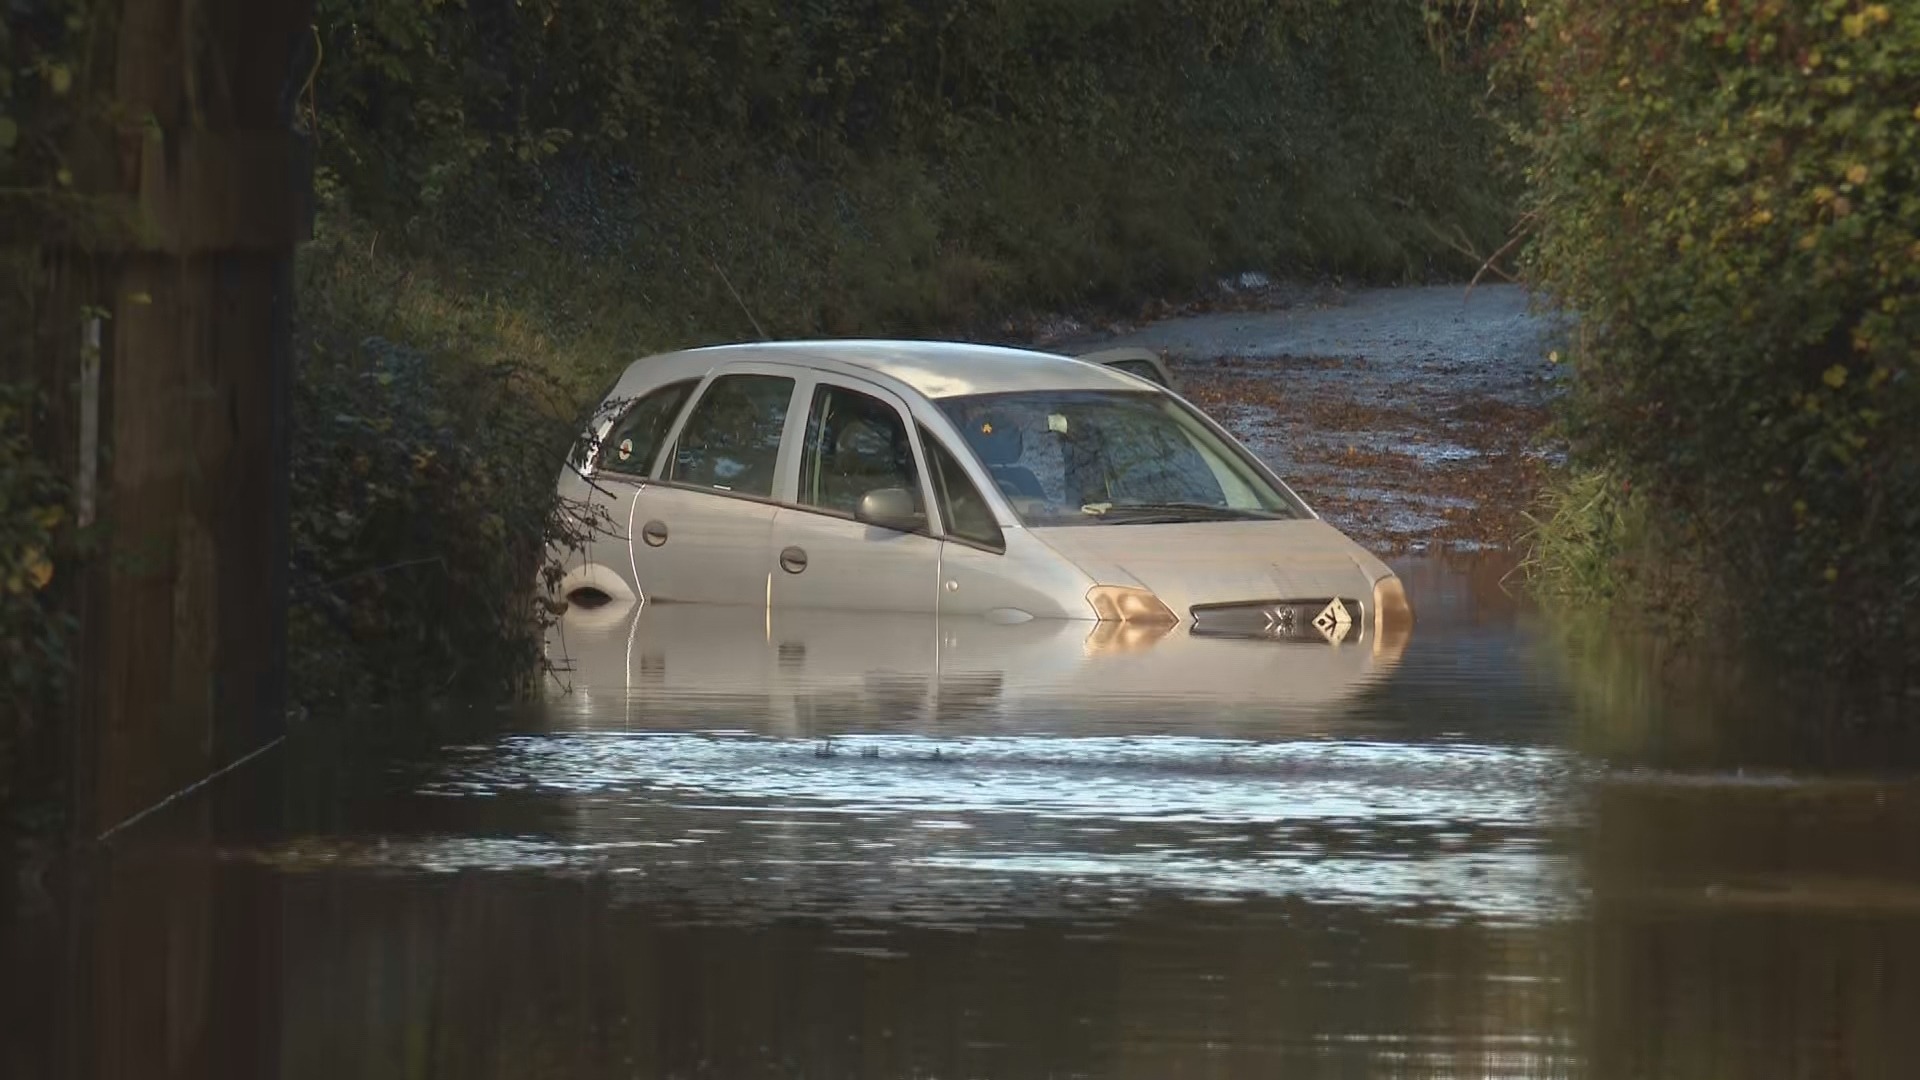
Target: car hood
x,y
1218,562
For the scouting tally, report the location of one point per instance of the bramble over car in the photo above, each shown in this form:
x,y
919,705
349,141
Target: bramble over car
x,y
951,479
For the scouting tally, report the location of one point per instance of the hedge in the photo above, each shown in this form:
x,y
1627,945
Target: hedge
x,y
1727,193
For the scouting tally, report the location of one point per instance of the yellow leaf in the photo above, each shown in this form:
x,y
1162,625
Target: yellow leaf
x,y
64,177
38,567
141,298
1835,376
1857,174
1878,13
1832,574
59,79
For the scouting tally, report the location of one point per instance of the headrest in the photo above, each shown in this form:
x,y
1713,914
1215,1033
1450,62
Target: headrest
x,y
857,435
997,444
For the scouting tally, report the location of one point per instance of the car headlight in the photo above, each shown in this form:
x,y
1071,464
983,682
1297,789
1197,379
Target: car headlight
x,y
1115,638
1392,615
1123,603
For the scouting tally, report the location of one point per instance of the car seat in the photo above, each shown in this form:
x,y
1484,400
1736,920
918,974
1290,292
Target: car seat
x,y
1000,448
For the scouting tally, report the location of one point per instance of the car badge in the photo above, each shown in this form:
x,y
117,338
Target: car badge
x,y
626,449
1333,620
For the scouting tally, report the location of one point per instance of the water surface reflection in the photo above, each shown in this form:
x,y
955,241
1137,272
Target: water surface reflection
x,y
731,844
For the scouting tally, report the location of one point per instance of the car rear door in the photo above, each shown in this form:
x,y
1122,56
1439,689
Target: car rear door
x,y
615,463
855,437
700,532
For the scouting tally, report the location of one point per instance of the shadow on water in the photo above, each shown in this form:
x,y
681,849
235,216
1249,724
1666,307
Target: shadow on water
x,y
731,844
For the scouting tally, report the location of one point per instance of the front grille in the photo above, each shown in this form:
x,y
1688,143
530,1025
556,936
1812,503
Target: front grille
x,y
1282,620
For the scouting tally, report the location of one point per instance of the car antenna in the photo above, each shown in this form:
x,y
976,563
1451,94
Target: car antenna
x,y
728,282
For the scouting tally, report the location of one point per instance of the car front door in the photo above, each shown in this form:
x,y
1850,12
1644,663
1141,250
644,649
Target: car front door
x,y
986,569
857,438
700,531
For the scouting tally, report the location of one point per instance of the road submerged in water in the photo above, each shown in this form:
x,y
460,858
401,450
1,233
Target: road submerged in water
x,y
1409,417
740,843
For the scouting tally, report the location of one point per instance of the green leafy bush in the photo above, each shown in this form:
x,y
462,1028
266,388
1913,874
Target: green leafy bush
x,y
1728,193
424,456
967,155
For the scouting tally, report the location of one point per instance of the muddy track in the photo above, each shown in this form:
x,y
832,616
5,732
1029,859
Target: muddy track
x,y
1409,417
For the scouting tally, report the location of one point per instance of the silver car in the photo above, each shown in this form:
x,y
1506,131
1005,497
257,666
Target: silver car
x,y
952,479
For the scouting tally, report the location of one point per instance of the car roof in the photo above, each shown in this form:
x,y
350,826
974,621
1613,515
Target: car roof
x,y
936,369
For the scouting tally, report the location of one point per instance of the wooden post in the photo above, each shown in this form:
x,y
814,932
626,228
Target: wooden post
x,y
182,651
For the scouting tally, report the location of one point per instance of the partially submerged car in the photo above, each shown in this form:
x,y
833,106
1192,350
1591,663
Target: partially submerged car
x,y
952,479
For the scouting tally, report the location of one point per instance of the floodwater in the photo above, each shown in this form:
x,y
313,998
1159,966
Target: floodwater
x,y
737,844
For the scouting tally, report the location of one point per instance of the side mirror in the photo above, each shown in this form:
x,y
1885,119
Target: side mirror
x,y
891,508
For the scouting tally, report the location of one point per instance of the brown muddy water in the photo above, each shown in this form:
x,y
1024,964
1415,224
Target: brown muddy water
x,y
741,845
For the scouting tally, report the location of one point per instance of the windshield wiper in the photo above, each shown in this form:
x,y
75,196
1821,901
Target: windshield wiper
x,y
1141,513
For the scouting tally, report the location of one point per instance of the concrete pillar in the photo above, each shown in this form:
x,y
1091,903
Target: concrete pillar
x,y
182,650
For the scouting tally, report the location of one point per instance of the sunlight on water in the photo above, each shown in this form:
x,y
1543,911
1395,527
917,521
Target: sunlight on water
x,y
935,828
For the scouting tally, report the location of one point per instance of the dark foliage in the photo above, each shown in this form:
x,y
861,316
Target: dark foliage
x,y
1729,195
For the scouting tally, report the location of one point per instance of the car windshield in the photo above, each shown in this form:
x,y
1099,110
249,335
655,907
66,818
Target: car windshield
x,y
1110,457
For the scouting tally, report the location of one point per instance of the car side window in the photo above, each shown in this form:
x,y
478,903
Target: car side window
x,y
731,440
635,440
855,443
962,507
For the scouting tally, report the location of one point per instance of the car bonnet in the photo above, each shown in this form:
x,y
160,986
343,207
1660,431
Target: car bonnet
x,y
1220,562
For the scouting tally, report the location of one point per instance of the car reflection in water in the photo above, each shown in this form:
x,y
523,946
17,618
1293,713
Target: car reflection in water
x,y
933,771
814,672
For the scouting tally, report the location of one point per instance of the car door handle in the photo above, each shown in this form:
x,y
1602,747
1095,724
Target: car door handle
x,y
654,533
793,560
